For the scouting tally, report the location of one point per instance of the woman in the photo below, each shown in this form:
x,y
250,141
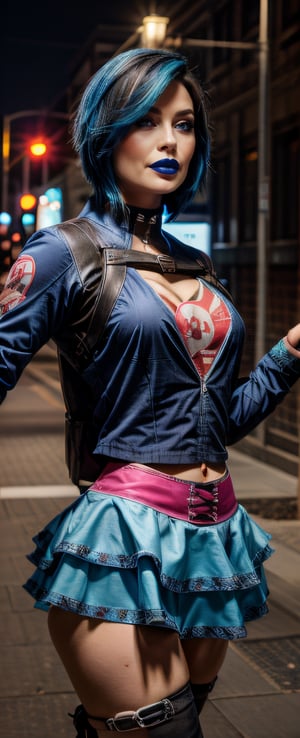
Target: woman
x,y
155,567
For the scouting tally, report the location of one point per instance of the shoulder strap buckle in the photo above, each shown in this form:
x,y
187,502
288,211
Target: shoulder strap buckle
x,y
166,263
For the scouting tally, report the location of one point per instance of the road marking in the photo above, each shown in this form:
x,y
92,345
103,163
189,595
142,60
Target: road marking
x,y
47,490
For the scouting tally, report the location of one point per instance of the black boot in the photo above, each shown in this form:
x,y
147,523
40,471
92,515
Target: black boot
x,y
201,693
82,725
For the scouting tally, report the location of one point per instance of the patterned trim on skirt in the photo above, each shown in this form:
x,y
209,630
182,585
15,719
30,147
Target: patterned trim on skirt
x,y
119,560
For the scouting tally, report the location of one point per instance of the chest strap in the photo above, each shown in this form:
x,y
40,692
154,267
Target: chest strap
x,y
103,271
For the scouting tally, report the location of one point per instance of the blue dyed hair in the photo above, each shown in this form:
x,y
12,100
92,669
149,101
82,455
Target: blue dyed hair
x,y
120,93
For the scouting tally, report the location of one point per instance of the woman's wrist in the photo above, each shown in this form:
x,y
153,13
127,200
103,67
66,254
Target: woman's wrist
x,y
292,344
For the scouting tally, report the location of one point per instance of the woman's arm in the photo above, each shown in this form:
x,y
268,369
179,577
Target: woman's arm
x,y
256,396
35,302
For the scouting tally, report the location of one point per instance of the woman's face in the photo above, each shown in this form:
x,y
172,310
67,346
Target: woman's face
x,y
153,158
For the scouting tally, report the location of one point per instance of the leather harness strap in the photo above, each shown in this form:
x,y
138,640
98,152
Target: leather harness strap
x,y
103,270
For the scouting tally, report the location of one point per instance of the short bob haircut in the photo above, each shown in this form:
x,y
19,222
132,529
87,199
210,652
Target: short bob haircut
x,y
120,93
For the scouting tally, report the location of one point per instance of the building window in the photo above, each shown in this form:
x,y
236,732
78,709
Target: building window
x,y
248,195
285,185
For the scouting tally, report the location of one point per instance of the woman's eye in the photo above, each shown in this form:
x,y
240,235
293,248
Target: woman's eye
x,y
185,125
145,123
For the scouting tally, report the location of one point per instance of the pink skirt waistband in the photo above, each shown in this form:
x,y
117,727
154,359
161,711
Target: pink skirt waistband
x,y
201,504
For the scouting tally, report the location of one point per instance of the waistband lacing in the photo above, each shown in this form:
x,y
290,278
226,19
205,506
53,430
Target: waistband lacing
x,y
203,504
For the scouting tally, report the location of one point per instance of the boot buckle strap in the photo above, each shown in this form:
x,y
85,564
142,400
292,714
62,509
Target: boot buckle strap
x,y
144,717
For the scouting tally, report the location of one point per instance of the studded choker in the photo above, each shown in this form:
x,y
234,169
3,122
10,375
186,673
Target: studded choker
x,y
146,225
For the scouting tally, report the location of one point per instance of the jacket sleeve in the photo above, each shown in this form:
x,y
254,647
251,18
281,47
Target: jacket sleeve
x,y
35,302
255,397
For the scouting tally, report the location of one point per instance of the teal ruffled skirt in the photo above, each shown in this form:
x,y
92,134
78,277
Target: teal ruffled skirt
x,y
116,559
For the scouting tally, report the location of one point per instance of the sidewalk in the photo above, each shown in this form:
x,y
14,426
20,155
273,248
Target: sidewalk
x,y
258,691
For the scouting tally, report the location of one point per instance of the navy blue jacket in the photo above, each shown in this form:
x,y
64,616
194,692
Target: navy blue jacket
x,y
152,404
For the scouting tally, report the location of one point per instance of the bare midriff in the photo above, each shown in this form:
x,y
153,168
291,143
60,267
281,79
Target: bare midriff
x,y
201,473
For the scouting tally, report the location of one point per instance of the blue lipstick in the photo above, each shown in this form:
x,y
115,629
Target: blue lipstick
x,y
165,166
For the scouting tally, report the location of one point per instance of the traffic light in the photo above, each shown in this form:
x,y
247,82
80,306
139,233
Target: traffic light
x,y
28,204
38,148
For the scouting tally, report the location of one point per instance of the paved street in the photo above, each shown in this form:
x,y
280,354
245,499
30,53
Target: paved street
x,y
258,691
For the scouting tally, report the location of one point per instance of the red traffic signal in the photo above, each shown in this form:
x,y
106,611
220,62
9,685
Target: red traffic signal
x,y
38,148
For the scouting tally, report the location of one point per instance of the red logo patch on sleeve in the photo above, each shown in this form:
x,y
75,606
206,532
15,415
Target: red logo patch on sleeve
x,y
17,284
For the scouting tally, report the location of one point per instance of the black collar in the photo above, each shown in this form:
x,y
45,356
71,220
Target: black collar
x,y
146,225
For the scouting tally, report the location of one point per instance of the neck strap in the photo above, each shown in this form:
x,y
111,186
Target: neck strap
x,y
146,225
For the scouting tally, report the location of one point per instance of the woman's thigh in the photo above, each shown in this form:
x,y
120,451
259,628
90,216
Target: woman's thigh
x,y
204,658
115,667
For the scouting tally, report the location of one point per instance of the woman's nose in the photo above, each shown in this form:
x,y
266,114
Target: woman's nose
x,y
168,138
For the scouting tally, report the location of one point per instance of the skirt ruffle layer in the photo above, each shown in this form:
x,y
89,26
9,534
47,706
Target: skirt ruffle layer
x,y
118,560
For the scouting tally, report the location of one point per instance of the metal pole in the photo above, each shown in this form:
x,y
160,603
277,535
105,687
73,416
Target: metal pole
x,y
263,193
26,174
263,180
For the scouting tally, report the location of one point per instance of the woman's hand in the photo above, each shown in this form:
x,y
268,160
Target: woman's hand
x,y
293,337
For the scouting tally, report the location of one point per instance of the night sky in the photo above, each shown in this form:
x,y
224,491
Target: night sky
x,y
39,41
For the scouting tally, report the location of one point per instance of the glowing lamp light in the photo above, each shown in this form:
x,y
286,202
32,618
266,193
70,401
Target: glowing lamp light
x,y
28,219
55,205
28,201
38,148
16,237
53,193
5,245
5,218
5,222
154,31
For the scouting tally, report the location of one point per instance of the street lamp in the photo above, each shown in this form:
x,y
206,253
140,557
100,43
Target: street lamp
x,y
38,149
154,31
